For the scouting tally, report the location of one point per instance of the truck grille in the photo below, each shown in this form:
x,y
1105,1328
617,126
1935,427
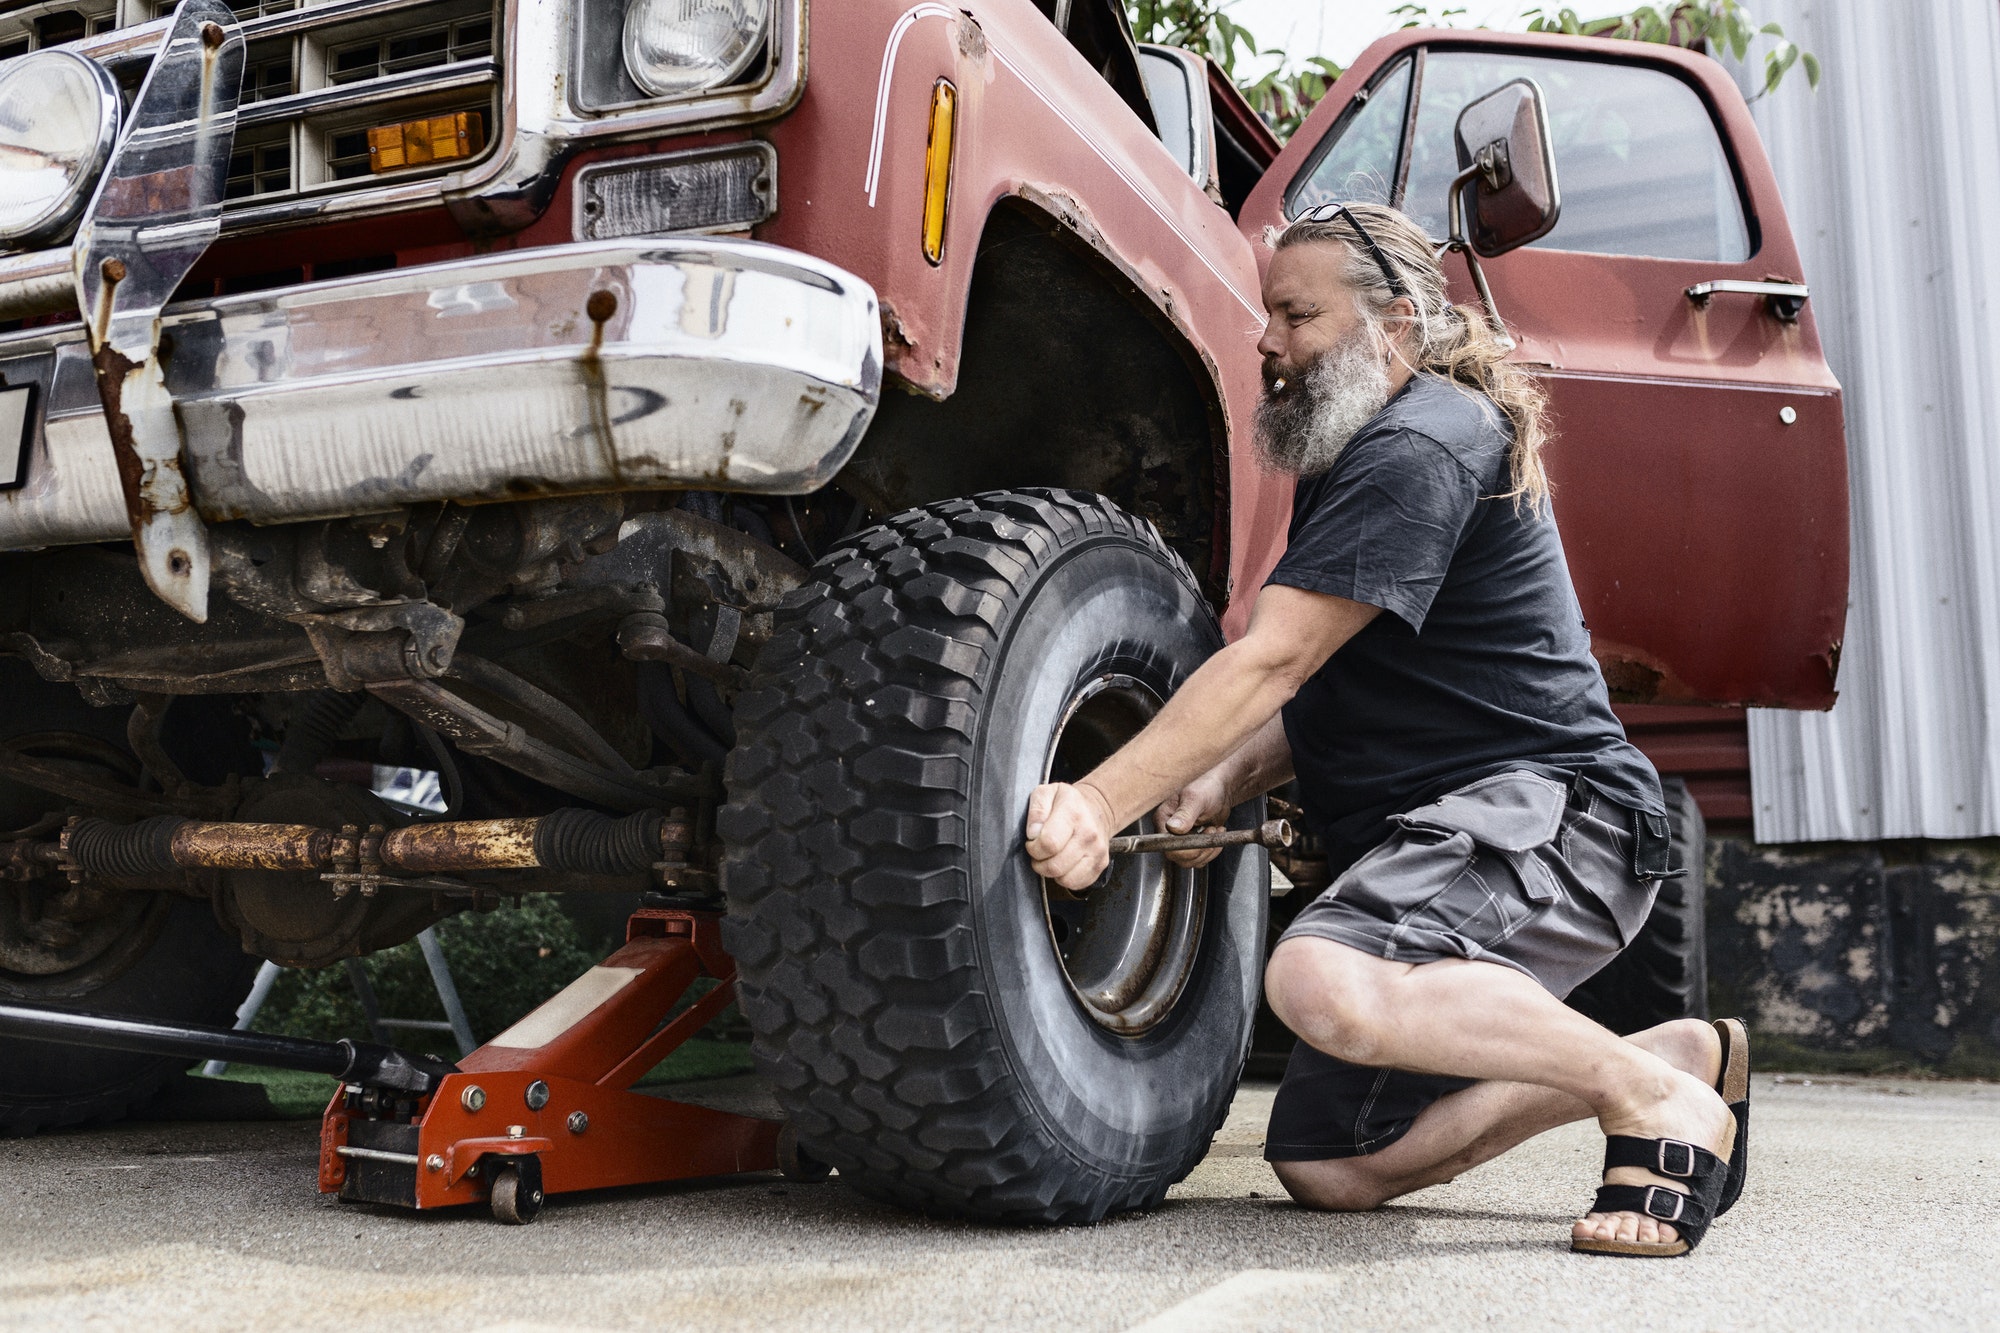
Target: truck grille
x,y
318,79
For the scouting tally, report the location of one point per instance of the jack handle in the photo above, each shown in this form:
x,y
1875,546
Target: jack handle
x,y
1271,833
358,1062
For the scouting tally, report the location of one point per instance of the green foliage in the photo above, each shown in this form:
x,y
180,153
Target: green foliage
x,y
1282,96
293,1096
1710,26
505,963
1420,16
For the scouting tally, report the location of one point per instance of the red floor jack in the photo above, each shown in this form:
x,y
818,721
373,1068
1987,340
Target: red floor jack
x,y
544,1108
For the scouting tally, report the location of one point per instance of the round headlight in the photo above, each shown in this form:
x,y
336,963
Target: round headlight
x,y
683,46
58,121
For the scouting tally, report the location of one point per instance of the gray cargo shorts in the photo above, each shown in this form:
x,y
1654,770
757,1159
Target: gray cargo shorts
x,y
1510,870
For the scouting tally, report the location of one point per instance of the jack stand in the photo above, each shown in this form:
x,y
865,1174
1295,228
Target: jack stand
x,y
546,1106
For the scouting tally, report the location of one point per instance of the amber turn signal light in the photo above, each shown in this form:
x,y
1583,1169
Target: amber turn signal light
x,y
416,143
937,167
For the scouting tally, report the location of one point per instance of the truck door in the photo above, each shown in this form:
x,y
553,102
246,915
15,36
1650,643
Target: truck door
x,y
1699,464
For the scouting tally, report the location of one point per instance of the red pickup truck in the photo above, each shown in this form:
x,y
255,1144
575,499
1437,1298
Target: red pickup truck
x,y
774,443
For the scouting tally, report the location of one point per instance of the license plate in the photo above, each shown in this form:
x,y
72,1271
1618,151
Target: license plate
x,y
17,430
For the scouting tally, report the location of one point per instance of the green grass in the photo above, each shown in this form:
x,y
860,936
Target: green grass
x,y
296,1096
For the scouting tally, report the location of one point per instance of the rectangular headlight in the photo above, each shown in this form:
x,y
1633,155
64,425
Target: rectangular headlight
x,y
705,189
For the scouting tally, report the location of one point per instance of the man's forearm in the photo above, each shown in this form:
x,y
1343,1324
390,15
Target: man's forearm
x,y
1259,764
1233,699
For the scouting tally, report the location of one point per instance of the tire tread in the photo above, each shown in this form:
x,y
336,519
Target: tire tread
x,y
850,911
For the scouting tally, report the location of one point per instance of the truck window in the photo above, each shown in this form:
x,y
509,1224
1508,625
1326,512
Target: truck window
x,y
1173,104
1359,163
1641,167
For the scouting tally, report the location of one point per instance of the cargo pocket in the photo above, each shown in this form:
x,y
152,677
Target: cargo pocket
x,y
1512,816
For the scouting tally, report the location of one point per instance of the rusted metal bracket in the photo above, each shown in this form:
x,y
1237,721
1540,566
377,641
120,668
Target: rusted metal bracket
x,y
156,211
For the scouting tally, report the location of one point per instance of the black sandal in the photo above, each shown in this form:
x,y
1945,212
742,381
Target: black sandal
x,y
1733,1085
1689,1213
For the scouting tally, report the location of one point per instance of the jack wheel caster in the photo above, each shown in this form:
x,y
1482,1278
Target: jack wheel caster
x,y
515,1201
797,1164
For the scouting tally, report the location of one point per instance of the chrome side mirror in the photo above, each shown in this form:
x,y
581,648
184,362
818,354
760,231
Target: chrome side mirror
x,y
1508,167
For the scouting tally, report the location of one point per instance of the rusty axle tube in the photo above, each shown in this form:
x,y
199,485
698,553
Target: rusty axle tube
x,y
1271,833
576,841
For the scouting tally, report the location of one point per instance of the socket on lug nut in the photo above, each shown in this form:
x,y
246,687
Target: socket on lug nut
x,y
538,1095
473,1098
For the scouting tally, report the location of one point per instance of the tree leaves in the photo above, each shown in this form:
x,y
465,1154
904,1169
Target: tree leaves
x,y
1281,96
1284,95
1709,26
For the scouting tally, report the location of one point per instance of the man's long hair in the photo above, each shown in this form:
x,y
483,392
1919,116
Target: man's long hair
x,y
1455,342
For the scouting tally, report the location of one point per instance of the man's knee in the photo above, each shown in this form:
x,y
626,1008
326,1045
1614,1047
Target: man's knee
x,y
1327,994
1335,1185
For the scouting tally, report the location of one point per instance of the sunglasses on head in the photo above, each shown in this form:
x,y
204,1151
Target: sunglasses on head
x,y
1327,212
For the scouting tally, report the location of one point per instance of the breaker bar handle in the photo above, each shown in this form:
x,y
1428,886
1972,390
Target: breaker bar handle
x,y
1271,833
359,1062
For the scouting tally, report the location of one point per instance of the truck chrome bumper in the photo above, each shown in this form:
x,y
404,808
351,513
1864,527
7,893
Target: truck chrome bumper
x,y
621,365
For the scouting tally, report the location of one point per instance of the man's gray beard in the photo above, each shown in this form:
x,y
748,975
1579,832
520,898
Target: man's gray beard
x,y
1302,429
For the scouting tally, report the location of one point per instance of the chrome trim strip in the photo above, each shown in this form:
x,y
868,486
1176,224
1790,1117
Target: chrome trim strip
x,y
36,283
433,79
719,364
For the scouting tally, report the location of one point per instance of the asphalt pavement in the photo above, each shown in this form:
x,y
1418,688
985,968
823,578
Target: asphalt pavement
x,y
1872,1203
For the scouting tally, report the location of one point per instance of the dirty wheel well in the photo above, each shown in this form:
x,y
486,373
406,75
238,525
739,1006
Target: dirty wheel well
x,y
1069,376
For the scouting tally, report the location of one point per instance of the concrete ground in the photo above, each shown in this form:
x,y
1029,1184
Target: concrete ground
x,y
1871,1203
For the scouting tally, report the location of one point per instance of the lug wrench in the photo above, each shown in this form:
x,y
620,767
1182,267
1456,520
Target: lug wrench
x,y
1271,833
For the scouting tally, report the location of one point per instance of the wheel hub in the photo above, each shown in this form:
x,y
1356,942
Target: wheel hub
x,y
1127,944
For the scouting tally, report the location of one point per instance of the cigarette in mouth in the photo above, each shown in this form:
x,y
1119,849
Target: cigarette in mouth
x,y
1278,384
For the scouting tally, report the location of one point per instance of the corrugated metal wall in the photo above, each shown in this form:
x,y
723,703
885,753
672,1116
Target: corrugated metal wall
x,y
1891,175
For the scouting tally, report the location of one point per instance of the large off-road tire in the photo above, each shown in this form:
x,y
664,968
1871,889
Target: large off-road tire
x,y
923,1028
1663,973
140,955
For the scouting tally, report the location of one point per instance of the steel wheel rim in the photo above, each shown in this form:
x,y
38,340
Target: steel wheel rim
x,y
1128,945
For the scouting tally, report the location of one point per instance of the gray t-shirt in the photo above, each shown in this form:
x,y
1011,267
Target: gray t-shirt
x,y
1482,663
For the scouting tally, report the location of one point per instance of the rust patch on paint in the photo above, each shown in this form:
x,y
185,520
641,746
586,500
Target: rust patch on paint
x,y
896,340
1635,676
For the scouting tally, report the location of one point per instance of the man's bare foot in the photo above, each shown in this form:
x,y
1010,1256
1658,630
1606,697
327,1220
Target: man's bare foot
x,y
1690,1111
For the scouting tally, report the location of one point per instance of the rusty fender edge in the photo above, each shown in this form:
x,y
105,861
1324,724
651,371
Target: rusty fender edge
x,y
620,365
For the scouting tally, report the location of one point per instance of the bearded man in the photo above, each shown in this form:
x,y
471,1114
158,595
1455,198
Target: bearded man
x,y
1418,661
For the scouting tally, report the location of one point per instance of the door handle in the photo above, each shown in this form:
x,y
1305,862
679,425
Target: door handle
x,y
1785,299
